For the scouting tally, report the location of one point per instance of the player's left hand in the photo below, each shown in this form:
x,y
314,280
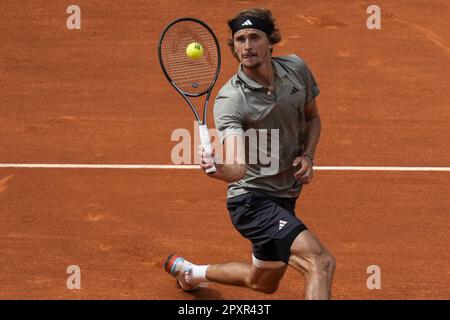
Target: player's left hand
x,y
305,171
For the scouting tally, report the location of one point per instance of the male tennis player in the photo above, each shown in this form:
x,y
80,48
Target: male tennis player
x,y
272,93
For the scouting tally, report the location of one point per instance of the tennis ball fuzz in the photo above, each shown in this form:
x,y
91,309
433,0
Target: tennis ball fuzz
x,y
194,50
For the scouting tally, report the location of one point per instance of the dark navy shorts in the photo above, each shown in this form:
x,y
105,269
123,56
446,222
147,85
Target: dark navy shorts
x,y
268,222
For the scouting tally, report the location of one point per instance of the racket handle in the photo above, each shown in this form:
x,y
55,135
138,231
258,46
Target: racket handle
x,y
206,143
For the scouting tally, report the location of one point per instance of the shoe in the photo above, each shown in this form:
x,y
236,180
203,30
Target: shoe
x,y
181,269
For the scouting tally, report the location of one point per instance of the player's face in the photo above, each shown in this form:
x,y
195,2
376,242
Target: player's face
x,y
252,47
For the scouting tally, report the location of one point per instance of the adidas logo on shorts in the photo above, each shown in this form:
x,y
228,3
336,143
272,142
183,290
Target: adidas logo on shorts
x,y
282,223
247,23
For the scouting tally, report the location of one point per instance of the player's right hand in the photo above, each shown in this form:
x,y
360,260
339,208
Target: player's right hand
x,y
206,159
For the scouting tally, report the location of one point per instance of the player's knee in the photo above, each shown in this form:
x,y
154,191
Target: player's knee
x,y
323,264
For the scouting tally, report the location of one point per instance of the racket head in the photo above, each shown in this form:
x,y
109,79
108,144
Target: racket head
x,y
192,77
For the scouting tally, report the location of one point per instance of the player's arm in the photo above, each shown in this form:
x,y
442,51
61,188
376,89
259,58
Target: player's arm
x,y
313,128
233,167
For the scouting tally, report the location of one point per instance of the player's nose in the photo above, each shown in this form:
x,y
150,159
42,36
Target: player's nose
x,y
247,45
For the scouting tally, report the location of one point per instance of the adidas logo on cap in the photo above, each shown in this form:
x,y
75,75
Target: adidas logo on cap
x,y
282,223
247,23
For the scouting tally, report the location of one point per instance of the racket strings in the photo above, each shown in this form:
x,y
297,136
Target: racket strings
x,y
193,76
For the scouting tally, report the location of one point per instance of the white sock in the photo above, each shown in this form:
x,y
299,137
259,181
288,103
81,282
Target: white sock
x,y
197,275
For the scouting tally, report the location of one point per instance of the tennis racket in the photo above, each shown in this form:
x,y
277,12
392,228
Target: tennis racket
x,y
191,77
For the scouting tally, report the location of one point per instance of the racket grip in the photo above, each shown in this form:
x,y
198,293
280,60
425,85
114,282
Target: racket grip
x,y
206,143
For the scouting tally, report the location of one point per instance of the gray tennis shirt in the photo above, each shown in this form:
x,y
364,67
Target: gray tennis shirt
x,y
273,125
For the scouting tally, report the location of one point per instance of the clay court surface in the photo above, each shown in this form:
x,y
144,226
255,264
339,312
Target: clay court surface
x,y
97,96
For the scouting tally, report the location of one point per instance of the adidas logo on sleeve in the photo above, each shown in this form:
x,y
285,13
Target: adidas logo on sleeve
x,y
294,91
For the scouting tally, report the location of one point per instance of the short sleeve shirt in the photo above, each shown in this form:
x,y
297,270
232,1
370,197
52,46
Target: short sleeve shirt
x,y
273,125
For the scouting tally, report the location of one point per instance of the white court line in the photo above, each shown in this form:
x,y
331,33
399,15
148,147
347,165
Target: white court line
x,y
190,167
94,166
368,168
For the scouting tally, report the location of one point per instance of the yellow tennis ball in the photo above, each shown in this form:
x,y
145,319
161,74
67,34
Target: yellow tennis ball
x,y
194,50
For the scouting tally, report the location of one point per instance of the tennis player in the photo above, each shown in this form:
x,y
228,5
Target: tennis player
x,y
271,93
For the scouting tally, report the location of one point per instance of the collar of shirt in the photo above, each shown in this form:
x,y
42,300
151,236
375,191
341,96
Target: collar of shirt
x,y
280,71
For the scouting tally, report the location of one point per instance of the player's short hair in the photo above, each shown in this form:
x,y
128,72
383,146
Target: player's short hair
x,y
261,13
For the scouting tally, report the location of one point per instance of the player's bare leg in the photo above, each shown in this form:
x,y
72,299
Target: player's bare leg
x,y
246,275
311,258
